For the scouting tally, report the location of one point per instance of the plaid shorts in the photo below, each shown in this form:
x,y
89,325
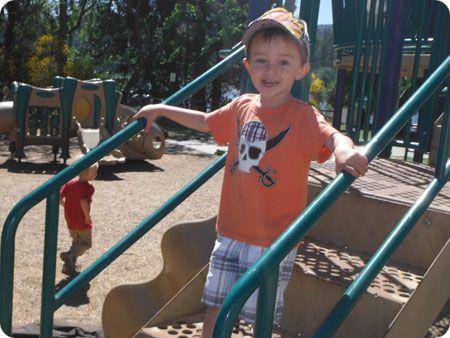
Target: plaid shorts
x,y
229,260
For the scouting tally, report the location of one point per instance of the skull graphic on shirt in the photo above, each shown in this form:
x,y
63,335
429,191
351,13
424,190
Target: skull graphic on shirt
x,y
252,145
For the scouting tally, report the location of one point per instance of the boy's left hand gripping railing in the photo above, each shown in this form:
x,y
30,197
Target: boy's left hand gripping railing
x,y
264,273
50,191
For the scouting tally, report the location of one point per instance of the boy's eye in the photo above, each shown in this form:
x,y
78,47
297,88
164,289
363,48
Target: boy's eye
x,y
284,62
260,60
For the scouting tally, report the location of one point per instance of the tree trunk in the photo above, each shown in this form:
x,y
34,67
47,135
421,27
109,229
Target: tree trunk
x,y
216,90
201,57
9,66
61,58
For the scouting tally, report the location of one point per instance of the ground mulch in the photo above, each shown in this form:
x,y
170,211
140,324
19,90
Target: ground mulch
x,y
125,194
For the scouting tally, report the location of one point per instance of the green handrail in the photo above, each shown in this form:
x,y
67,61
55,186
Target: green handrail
x,y
272,257
51,187
343,307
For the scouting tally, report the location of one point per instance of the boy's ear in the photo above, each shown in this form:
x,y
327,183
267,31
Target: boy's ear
x,y
303,70
246,63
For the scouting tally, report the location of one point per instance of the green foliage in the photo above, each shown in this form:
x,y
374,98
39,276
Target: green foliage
x,y
323,66
80,65
323,51
41,65
18,39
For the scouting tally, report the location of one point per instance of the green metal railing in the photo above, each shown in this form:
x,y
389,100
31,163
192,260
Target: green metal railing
x,y
263,273
50,191
363,30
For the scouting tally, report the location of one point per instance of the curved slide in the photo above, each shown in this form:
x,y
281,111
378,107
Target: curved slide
x,y
174,293
142,146
7,118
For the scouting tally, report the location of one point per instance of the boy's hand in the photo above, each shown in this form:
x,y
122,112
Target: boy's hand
x,y
347,158
351,161
150,113
193,119
88,219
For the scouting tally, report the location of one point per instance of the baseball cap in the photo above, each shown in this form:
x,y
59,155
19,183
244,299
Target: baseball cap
x,y
281,18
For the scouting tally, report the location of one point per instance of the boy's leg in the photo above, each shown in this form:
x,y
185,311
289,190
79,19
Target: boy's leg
x,y
222,274
82,241
250,255
68,257
209,321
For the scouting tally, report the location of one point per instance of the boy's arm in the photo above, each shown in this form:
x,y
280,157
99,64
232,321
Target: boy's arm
x,y
193,119
86,210
347,158
62,201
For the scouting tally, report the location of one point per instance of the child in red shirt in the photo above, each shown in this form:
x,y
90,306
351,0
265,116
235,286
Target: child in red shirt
x,y
76,198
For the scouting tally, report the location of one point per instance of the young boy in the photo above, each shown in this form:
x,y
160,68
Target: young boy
x,y
272,138
76,198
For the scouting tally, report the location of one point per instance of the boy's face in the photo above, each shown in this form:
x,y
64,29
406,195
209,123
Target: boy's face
x,y
273,66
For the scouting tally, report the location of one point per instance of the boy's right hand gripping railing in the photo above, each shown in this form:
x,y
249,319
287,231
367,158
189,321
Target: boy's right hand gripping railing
x,y
264,273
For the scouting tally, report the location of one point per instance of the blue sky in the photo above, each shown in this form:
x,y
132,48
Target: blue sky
x,y
325,15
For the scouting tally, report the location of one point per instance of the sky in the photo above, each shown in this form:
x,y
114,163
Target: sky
x,y
325,15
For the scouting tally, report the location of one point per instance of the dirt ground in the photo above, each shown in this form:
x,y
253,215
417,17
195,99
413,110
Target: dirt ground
x,y
124,195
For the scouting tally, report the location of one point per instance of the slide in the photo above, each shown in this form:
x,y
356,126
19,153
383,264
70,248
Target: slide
x,y
174,293
7,118
142,146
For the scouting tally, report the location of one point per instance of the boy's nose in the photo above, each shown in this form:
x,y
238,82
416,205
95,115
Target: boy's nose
x,y
270,68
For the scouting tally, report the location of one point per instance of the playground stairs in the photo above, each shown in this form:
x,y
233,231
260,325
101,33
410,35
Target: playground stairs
x,y
403,300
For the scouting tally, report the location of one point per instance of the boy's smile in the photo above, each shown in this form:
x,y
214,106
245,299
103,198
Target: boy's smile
x,y
273,66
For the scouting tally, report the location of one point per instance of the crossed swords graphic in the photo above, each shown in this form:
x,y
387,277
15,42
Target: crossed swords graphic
x,y
264,177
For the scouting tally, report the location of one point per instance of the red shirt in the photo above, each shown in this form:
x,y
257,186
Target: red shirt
x,y
266,175
73,192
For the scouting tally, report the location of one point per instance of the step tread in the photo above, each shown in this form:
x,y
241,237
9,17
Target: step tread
x,y
342,266
191,327
393,180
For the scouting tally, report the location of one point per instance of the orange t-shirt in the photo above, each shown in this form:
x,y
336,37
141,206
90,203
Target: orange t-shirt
x,y
266,171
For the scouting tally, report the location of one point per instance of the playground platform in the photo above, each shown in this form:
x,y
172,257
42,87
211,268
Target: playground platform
x,y
391,180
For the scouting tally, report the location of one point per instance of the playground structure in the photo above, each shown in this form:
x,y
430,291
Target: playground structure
x,y
89,110
342,255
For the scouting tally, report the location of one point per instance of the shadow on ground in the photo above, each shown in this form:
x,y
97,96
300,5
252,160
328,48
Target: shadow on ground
x,y
60,330
32,168
78,298
108,173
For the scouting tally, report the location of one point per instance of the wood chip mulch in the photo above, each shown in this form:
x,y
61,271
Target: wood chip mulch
x,y
125,194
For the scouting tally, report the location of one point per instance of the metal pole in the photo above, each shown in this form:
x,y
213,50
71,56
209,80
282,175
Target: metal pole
x,y
439,52
48,277
444,142
355,76
390,73
267,295
339,98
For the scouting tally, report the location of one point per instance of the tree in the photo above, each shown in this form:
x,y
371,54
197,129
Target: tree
x,y
68,24
18,42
